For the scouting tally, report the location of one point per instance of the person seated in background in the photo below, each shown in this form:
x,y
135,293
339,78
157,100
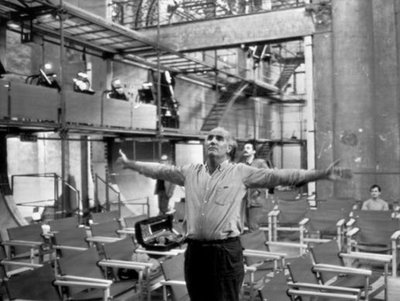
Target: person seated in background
x,y
82,83
117,90
375,203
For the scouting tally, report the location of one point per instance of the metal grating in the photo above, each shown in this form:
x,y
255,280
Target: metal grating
x,y
85,31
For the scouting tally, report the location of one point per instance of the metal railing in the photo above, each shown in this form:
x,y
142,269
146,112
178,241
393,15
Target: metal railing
x,y
145,205
78,197
56,180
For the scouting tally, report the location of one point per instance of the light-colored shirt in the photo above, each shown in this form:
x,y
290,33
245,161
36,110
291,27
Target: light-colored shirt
x,y
214,206
255,197
377,204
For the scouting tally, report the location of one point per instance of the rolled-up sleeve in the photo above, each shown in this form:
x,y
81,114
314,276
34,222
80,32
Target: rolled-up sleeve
x,y
168,173
270,178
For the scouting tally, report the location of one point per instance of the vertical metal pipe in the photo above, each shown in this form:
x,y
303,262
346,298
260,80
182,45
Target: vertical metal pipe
x,y
55,181
397,31
96,191
159,117
107,194
63,133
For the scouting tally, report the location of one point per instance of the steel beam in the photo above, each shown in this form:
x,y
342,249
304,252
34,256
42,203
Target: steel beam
x,y
236,30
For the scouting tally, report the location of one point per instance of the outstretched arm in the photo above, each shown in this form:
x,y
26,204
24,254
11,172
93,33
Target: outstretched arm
x,y
292,177
336,173
125,162
153,170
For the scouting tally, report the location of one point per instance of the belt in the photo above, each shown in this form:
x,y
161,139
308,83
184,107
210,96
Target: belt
x,y
212,242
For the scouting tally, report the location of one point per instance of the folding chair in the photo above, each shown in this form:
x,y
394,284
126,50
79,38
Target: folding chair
x,y
86,265
279,288
129,222
104,232
327,221
68,242
259,262
63,223
266,218
393,289
173,271
27,242
303,271
149,276
286,195
102,217
275,289
328,255
40,284
9,268
107,228
371,231
33,285
289,215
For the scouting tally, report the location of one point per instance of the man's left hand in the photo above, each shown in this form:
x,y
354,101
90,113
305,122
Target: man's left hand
x,y
336,173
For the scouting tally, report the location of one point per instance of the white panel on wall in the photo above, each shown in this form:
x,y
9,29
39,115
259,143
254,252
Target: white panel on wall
x,y
288,156
186,153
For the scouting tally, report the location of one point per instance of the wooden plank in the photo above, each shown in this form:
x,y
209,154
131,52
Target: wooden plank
x,y
144,116
33,102
83,108
117,113
3,98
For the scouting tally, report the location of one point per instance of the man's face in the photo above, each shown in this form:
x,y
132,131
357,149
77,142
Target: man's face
x,y
248,150
164,159
119,90
375,193
217,144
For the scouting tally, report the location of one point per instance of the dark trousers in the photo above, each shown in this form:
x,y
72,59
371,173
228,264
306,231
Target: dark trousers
x,y
163,201
214,270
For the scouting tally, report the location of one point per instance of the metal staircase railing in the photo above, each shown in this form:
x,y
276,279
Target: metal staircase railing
x,y
225,102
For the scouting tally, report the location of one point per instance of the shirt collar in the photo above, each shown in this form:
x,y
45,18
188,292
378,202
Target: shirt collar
x,y
249,161
220,167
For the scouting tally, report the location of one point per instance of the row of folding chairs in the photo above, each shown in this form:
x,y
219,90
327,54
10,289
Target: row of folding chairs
x,y
356,275
88,275
65,240
329,219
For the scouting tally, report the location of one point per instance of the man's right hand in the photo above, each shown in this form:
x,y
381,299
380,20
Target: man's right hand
x,y
122,159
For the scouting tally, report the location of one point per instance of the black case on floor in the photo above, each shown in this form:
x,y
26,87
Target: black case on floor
x,y
157,233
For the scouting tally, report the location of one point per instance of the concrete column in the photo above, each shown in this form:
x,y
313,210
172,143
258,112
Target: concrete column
x,y
353,86
323,99
308,56
3,41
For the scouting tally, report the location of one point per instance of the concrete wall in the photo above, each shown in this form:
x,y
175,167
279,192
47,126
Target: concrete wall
x,y
356,77
41,157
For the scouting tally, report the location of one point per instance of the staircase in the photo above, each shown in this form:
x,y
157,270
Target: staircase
x,y
290,66
224,104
